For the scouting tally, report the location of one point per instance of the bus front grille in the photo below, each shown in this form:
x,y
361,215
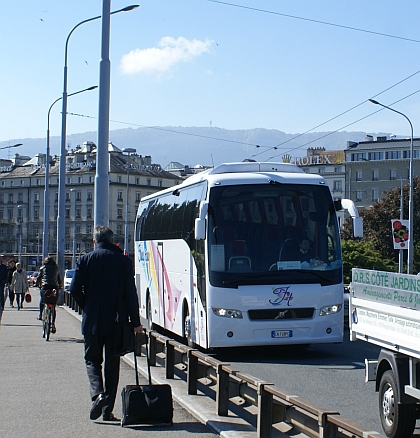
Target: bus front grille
x,y
279,314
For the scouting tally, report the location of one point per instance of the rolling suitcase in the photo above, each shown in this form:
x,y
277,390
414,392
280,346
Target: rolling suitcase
x,y
146,404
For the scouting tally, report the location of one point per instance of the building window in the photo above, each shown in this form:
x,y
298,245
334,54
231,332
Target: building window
x,y
36,212
22,182
358,157
10,198
138,196
359,175
67,213
89,196
119,197
10,214
137,181
375,175
376,156
359,195
68,180
78,196
119,213
392,155
36,197
119,178
78,229
91,179
78,212
337,169
89,229
149,182
393,174
1,214
11,183
375,195
119,229
20,197
38,182
337,186
89,213
67,196
55,213
80,179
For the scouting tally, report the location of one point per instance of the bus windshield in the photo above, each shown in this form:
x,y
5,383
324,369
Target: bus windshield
x,y
274,233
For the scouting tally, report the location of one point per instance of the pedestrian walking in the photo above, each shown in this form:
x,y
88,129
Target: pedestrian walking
x,y
101,276
3,281
19,285
10,269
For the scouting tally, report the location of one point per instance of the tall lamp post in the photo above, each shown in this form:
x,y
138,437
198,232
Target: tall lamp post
x,y
45,241
73,261
62,168
410,196
128,151
401,258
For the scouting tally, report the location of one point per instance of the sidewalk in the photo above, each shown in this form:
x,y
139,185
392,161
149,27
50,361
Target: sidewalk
x,y
44,387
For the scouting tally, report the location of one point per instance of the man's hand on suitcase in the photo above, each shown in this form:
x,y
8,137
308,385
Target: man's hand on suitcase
x,y
138,329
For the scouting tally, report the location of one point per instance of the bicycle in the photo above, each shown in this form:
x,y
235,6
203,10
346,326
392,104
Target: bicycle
x,y
49,298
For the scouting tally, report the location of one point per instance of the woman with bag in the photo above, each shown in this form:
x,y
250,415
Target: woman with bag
x,y
48,279
19,285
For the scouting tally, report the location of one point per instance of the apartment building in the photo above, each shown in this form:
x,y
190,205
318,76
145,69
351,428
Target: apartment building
x,y
22,186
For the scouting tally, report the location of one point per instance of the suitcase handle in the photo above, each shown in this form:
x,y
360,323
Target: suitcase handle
x,y
147,358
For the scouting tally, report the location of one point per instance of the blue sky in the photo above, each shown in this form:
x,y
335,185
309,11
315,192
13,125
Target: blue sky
x,y
207,63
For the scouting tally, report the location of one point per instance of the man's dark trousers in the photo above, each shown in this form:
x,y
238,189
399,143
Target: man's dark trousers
x,y
94,347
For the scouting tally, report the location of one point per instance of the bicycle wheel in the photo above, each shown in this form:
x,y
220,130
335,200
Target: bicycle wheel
x,y
44,321
48,321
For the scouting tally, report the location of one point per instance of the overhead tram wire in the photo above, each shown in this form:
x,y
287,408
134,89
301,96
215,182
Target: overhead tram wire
x,y
325,23
276,147
346,126
339,115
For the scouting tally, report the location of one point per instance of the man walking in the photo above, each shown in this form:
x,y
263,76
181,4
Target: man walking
x,y
100,277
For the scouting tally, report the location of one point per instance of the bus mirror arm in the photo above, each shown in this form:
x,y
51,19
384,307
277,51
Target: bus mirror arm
x,y
200,222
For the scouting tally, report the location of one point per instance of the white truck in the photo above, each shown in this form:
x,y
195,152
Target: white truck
x,y
384,309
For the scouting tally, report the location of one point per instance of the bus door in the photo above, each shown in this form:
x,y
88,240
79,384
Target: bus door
x,y
161,275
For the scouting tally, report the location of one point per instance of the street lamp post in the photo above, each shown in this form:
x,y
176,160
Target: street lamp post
x,y
20,220
410,196
401,253
45,241
128,151
73,261
101,201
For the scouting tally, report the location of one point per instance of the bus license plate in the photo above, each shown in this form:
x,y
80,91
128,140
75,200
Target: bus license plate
x,y
281,334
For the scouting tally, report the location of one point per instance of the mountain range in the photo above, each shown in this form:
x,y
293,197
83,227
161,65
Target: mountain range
x,y
203,145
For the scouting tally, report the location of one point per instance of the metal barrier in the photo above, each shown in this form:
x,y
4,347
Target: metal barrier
x,y
232,389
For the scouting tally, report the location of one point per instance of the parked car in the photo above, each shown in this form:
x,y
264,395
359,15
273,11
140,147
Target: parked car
x,y
68,275
28,274
32,279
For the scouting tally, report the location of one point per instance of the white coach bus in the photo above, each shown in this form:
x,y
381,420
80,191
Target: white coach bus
x,y
216,257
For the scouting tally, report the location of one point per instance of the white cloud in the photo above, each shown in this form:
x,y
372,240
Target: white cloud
x,y
170,51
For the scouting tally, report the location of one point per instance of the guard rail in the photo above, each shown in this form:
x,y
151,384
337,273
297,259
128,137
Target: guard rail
x,y
267,407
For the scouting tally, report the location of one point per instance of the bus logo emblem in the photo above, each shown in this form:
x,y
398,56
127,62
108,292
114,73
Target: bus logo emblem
x,y
283,294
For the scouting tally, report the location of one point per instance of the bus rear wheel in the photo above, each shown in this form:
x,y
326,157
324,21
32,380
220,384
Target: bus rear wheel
x,y
187,327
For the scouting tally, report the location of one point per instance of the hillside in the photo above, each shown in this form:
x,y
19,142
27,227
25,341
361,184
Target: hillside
x,y
202,145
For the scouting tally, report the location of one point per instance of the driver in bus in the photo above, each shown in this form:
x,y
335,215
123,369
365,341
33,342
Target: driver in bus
x,y
304,253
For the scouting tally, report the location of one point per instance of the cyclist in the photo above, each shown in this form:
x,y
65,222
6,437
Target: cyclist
x,y
48,278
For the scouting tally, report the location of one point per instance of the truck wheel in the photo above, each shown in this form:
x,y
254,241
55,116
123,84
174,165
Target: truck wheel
x,y
398,420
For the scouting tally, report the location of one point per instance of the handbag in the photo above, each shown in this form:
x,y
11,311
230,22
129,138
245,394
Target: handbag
x,y
28,297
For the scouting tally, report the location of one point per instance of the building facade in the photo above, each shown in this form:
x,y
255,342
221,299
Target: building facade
x,y
22,189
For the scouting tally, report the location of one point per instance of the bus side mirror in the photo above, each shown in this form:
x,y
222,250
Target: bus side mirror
x,y
358,227
200,229
200,222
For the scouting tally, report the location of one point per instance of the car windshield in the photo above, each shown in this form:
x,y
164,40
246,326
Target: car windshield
x,y
70,273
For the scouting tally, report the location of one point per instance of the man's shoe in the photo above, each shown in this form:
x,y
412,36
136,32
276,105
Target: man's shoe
x,y
110,417
54,330
96,410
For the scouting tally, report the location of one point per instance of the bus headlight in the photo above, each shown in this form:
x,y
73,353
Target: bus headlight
x,y
329,310
227,313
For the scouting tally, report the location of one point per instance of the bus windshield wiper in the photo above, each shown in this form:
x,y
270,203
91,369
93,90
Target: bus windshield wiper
x,y
252,276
